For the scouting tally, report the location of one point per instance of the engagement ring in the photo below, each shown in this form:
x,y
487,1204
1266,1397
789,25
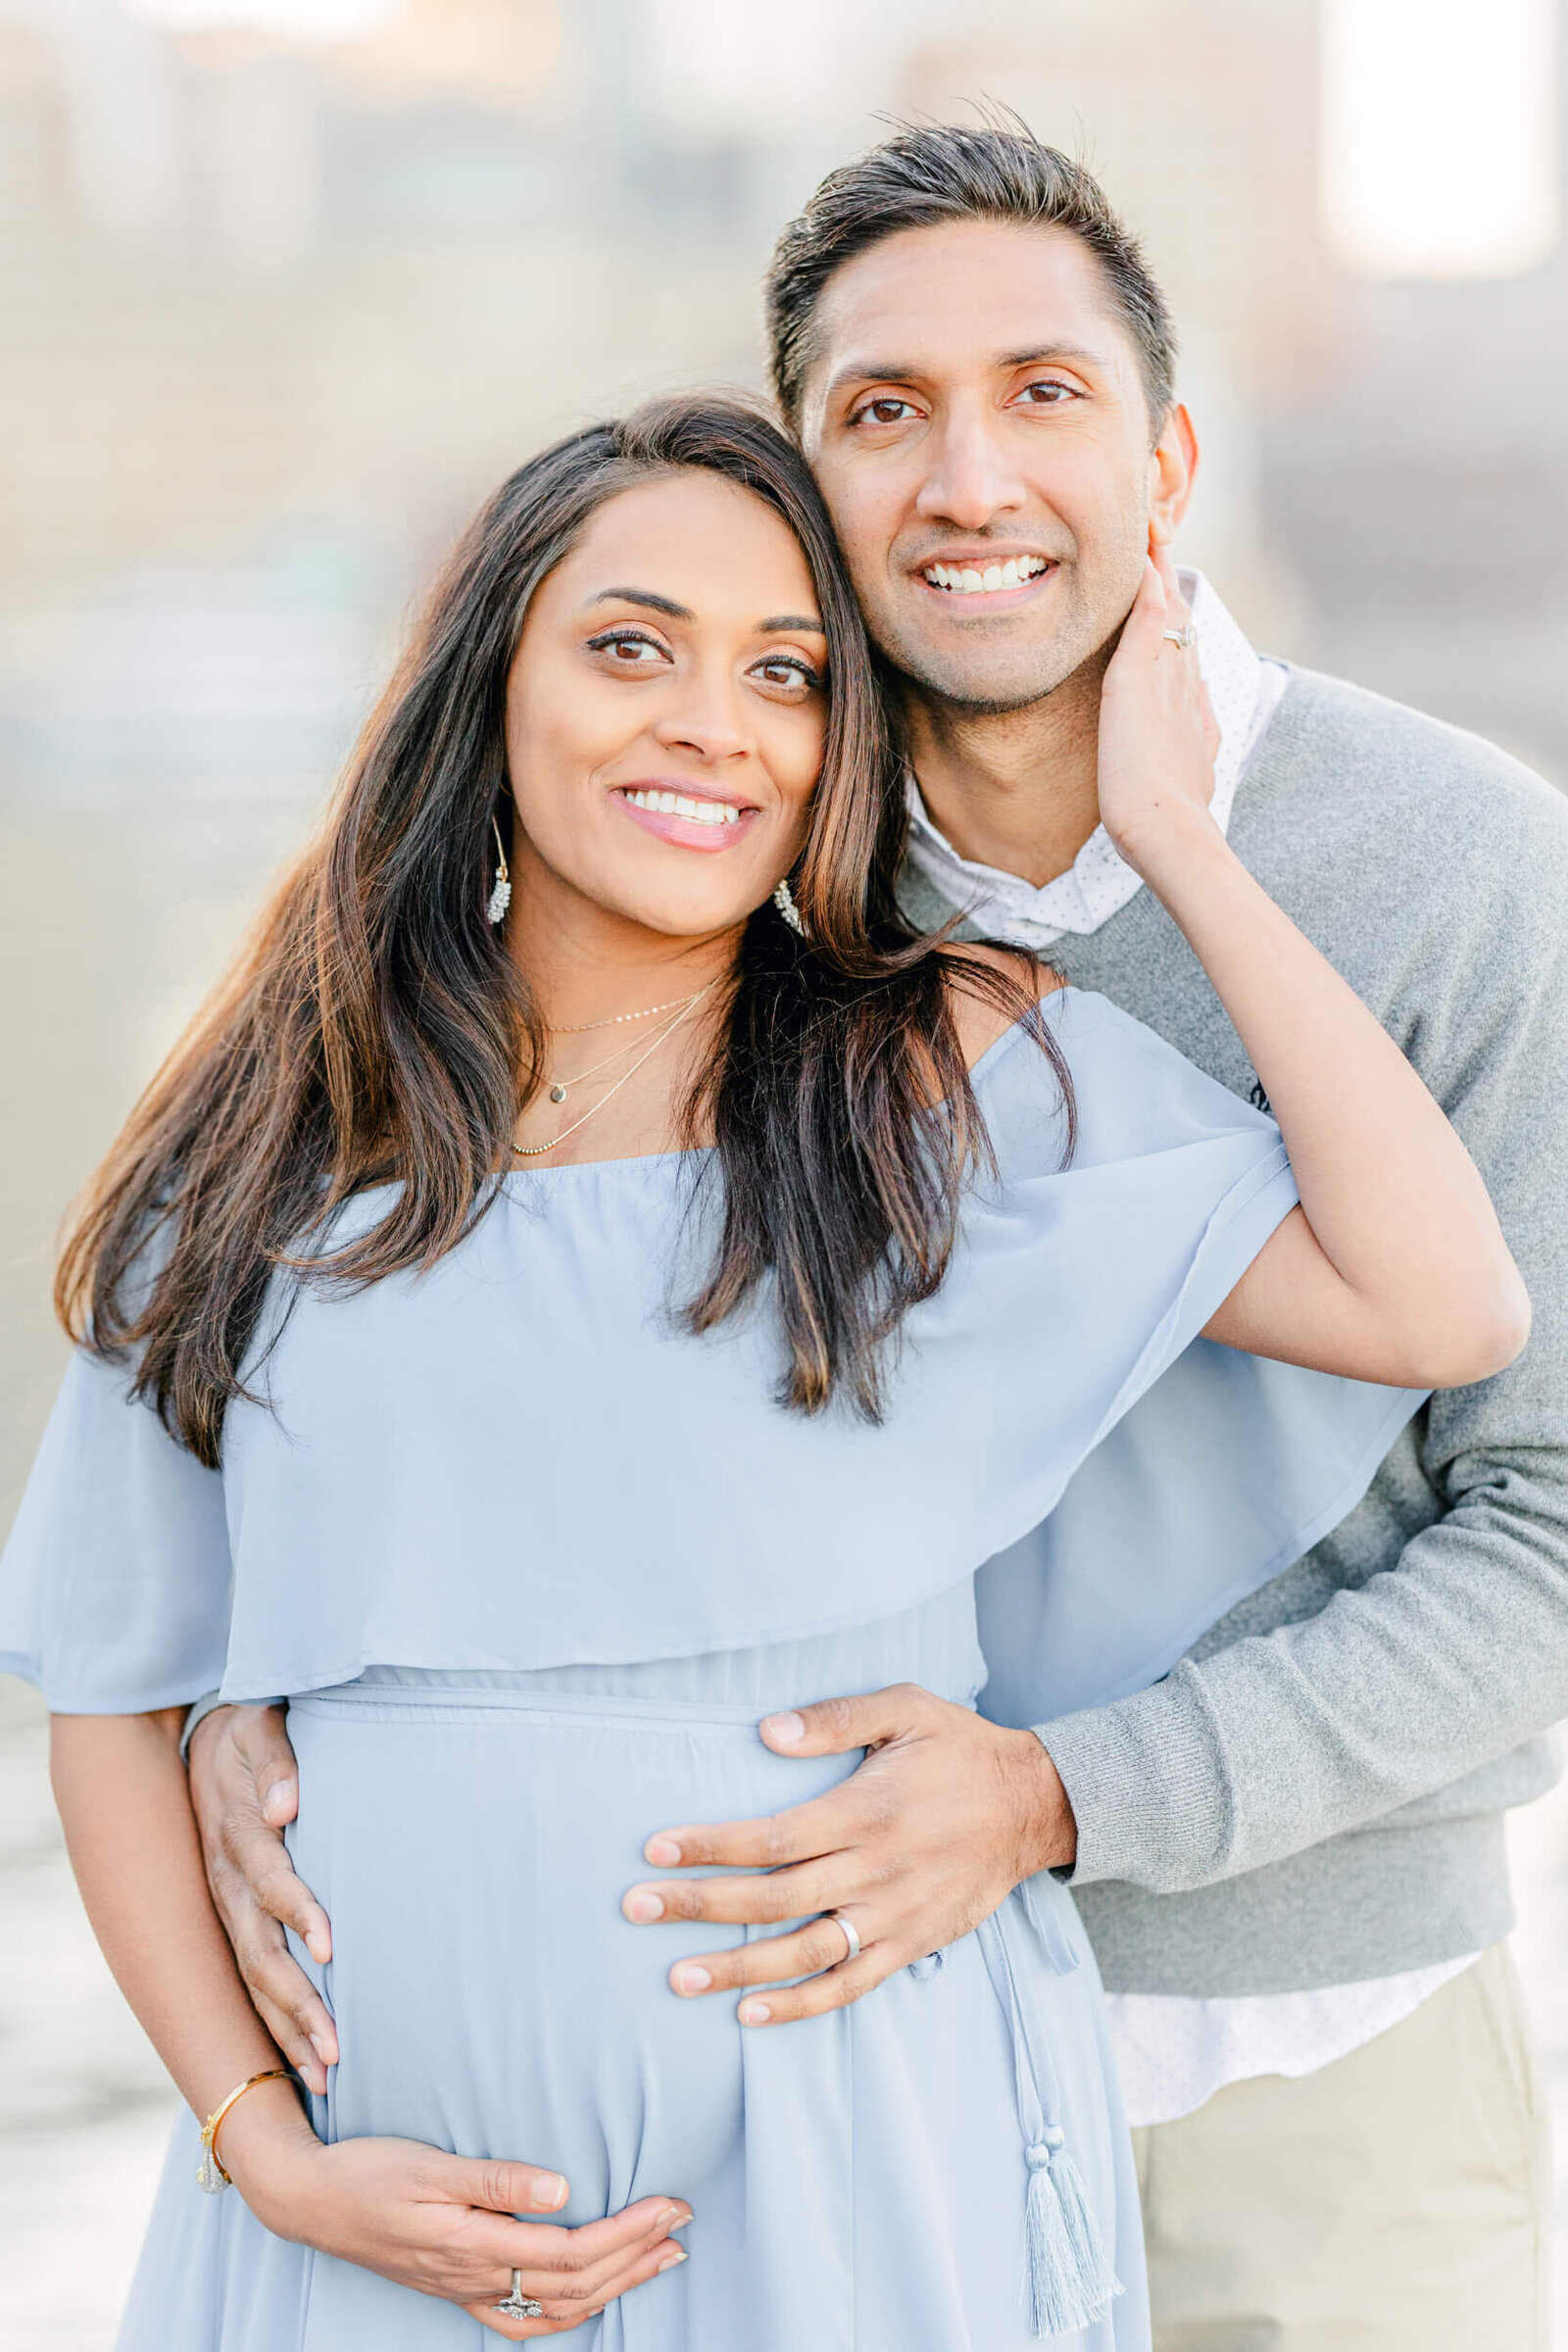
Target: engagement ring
x,y
518,2305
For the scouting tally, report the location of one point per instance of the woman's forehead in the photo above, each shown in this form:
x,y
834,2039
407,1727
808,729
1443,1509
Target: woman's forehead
x,y
705,543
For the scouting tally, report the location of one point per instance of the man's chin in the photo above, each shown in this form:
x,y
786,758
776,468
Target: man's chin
x,y
975,692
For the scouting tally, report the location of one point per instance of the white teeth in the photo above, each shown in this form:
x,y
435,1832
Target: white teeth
x,y
969,581
696,813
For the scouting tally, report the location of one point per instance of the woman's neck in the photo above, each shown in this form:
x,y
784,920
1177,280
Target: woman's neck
x,y
586,964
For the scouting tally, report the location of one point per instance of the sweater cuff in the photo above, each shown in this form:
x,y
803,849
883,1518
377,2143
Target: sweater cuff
x,y
1146,1781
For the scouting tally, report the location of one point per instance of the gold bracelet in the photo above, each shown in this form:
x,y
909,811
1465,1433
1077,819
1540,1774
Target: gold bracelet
x,y
210,2173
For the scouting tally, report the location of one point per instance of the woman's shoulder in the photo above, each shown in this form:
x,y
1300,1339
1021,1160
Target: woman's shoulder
x,y
1097,1074
982,1012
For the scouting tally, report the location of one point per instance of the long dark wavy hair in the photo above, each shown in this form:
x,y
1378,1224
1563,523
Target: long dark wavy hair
x,y
376,1029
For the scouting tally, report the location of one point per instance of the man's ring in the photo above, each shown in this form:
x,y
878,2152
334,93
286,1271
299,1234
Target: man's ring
x,y
518,2305
850,1935
1185,638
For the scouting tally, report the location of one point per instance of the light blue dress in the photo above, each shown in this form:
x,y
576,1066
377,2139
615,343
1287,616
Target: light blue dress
x,y
531,1562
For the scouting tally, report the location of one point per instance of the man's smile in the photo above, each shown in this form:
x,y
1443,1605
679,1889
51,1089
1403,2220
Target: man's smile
x,y
985,578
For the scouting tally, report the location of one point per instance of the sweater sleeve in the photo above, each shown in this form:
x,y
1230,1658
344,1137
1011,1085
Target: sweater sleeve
x,y
1407,1680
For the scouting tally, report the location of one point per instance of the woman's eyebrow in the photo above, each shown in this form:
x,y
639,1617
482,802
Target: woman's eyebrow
x,y
642,595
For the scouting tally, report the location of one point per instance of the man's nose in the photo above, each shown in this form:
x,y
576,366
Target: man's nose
x,y
972,478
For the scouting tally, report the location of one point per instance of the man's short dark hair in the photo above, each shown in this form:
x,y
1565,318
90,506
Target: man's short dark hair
x,y
928,175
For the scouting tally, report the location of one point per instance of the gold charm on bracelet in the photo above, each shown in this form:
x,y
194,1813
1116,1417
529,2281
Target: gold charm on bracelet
x,y
210,2173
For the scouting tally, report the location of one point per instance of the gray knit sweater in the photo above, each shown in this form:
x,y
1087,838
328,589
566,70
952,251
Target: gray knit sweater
x,y
1315,1793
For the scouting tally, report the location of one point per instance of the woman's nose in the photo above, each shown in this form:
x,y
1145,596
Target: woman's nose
x,y
707,720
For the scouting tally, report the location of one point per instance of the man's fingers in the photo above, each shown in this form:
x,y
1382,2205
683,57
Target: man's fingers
x,y
261,1744
834,1726
769,1902
280,1987
834,1989
295,2043
821,1945
824,1825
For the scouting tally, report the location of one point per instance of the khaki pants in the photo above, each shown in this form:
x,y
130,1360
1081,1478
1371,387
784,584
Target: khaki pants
x,y
1400,2200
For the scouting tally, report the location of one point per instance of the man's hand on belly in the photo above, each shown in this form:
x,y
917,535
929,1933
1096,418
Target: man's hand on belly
x,y
946,1814
244,1790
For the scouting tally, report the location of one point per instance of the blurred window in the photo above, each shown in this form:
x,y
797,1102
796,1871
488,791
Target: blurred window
x,y
1438,154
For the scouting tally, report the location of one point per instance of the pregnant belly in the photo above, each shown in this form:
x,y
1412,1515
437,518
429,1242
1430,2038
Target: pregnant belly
x,y
489,1996
858,2175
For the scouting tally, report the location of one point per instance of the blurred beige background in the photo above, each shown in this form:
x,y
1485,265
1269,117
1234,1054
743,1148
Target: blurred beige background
x,y
289,282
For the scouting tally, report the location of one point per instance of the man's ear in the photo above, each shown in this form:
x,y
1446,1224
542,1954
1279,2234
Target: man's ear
x,y
1172,472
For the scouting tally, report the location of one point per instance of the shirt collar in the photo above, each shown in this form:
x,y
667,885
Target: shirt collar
x,y
1244,690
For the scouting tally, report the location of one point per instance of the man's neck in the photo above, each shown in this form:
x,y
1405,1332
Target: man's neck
x,y
1015,789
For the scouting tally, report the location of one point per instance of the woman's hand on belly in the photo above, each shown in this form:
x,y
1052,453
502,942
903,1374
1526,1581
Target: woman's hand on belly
x,y
946,1814
447,2225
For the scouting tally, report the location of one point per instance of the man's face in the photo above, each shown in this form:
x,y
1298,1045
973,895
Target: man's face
x,y
976,418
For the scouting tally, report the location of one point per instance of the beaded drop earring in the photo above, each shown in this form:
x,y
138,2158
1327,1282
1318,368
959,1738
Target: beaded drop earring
x,y
500,897
784,900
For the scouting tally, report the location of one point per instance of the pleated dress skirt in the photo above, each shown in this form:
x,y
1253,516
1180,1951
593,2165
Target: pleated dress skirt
x,y
859,2181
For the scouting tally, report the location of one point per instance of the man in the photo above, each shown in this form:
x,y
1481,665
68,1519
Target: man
x,y
1289,1852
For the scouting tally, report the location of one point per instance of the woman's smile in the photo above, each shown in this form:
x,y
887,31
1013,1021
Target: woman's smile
x,y
687,814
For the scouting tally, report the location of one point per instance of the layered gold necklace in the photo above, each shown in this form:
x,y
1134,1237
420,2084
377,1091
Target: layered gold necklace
x,y
685,1007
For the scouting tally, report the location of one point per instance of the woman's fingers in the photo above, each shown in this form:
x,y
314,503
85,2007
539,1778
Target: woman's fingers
x,y
821,1943
1177,611
558,2315
582,2290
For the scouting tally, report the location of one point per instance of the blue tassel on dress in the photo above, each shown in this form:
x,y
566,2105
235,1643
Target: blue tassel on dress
x,y
1069,2278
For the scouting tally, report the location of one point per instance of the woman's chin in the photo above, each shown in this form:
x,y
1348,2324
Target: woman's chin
x,y
690,913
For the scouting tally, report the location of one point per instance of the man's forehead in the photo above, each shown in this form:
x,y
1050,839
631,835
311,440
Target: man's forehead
x,y
962,296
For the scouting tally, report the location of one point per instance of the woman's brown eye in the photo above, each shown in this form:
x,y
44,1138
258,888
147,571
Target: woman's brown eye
x,y
791,675
630,652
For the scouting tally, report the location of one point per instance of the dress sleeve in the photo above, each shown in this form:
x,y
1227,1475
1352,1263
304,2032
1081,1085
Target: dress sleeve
x,y
114,1584
1206,1471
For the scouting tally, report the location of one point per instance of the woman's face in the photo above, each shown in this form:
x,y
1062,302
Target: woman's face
x,y
666,710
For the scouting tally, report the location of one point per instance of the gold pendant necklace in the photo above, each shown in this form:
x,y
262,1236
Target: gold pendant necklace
x,y
537,1150
558,1087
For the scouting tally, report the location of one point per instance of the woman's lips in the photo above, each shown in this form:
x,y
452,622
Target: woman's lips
x,y
668,813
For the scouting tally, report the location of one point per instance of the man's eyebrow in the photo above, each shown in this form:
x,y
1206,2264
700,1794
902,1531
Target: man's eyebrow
x,y
901,371
643,596
783,622
1054,351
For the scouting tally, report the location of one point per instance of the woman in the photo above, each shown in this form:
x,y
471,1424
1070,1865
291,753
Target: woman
x,y
581,1285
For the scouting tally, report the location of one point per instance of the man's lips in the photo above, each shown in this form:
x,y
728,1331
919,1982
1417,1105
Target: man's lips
x,y
691,817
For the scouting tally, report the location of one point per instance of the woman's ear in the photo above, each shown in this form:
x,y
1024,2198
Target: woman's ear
x,y
1172,472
